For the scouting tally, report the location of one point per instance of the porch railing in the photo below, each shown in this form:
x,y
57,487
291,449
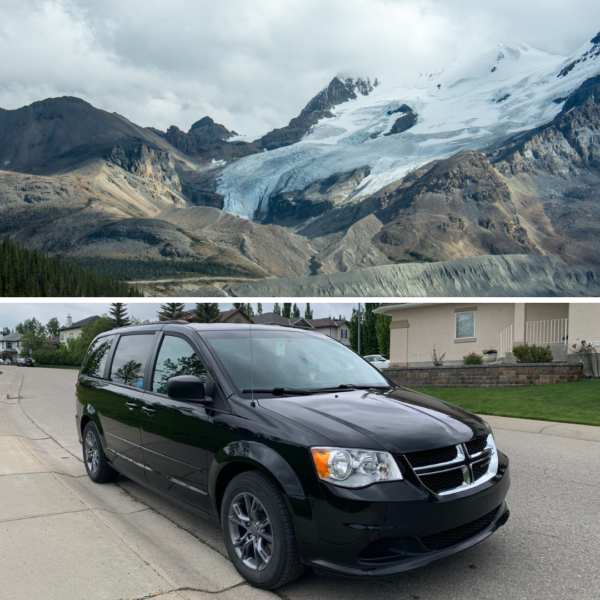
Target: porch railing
x,y
553,331
506,341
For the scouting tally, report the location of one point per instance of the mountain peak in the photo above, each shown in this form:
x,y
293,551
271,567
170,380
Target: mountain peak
x,y
204,122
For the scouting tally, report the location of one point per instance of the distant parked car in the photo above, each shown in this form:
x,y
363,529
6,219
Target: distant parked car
x,y
1,361
381,362
26,362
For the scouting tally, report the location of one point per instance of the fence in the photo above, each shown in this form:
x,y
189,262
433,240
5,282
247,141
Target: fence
x,y
554,331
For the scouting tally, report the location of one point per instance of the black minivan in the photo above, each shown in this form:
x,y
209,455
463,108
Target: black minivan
x,y
305,454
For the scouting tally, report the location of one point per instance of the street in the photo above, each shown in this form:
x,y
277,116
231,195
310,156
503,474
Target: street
x,y
548,549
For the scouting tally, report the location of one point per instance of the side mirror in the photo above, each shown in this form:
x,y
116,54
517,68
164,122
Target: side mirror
x,y
186,387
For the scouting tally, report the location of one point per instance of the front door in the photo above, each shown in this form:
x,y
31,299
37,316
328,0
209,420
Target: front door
x,y
173,432
121,403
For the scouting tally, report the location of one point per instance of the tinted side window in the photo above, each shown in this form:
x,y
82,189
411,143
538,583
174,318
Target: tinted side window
x,y
176,357
130,360
95,360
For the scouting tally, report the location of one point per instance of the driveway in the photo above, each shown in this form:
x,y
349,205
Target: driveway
x,y
548,550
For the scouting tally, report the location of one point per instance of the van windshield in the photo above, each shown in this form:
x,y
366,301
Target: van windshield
x,y
291,361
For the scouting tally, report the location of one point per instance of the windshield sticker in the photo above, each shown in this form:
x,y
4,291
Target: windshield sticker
x,y
279,348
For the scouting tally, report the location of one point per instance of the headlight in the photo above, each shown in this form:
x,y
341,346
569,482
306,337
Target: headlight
x,y
354,468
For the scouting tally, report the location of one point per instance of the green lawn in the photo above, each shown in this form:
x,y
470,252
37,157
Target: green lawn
x,y
577,402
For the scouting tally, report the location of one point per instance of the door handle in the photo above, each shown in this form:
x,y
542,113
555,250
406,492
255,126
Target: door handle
x,y
131,405
148,410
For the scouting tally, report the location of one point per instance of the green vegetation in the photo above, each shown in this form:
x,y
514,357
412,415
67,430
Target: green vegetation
x,y
118,315
374,331
207,312
577,402
72,351
171,311
131,269
526,353
473,359
29,273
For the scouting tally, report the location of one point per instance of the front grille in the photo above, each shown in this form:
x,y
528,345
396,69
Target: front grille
x,y
445,539
431,457
440,482
477,445
480,468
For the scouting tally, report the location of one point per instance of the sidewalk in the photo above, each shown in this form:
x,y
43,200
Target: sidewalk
x,y
570,430
62,536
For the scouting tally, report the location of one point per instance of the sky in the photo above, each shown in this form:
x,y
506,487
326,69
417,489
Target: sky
x,y
11,313
252,65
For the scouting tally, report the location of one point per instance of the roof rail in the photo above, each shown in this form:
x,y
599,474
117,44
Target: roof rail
x,y
174,322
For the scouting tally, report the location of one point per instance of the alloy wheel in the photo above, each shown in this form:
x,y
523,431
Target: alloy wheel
x,y
92,456
250,531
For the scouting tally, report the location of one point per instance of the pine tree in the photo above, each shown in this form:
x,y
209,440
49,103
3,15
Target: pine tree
x,y
368,332
287,310
277,309
383,334
354,332
118,315
30,273
259,308
308,313
172,311
296,312
207,312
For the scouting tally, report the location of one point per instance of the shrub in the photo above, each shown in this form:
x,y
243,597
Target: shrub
x,y
437,359
526,353
473,359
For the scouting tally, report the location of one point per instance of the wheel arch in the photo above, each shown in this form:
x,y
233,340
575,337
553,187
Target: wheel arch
x,y
239,457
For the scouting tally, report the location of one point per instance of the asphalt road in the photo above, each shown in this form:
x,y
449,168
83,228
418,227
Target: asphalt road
x,y
550,547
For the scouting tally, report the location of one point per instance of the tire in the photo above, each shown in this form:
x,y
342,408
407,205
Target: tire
x,y
283,565
94,459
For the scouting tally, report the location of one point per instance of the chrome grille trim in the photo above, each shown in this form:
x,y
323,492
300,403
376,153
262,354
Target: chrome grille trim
x,y
460,458
464,462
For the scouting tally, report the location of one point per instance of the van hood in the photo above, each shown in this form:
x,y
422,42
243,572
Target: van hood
x,y
397,420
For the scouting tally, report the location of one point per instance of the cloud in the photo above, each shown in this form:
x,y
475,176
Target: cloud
x,y
250,65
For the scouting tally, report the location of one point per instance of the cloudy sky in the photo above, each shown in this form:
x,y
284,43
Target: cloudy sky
x,y
12,313
251,65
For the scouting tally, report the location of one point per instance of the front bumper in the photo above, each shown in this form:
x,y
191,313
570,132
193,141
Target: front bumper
x,y
390,528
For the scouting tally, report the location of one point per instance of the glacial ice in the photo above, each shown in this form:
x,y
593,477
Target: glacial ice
x,y
468,105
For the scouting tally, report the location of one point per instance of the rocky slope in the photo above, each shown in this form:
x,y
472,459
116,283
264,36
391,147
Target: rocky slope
x,y
516,276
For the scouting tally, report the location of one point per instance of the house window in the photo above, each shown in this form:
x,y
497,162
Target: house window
x,y
344,334
9,345
465,324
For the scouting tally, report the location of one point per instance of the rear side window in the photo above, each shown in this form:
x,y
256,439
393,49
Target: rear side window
x,y
130,360
176,357
96,358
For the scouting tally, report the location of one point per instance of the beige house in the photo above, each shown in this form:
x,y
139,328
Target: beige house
x,y
338,329
457,329
74,330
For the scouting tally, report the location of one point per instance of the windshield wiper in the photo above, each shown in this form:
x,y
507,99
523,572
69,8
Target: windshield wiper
x,y
280,392
348,387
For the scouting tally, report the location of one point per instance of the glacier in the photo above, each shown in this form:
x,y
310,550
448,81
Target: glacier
x,y
473,104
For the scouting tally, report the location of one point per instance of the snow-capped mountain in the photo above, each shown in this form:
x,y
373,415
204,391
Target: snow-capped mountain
x,y
497,154
475,103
